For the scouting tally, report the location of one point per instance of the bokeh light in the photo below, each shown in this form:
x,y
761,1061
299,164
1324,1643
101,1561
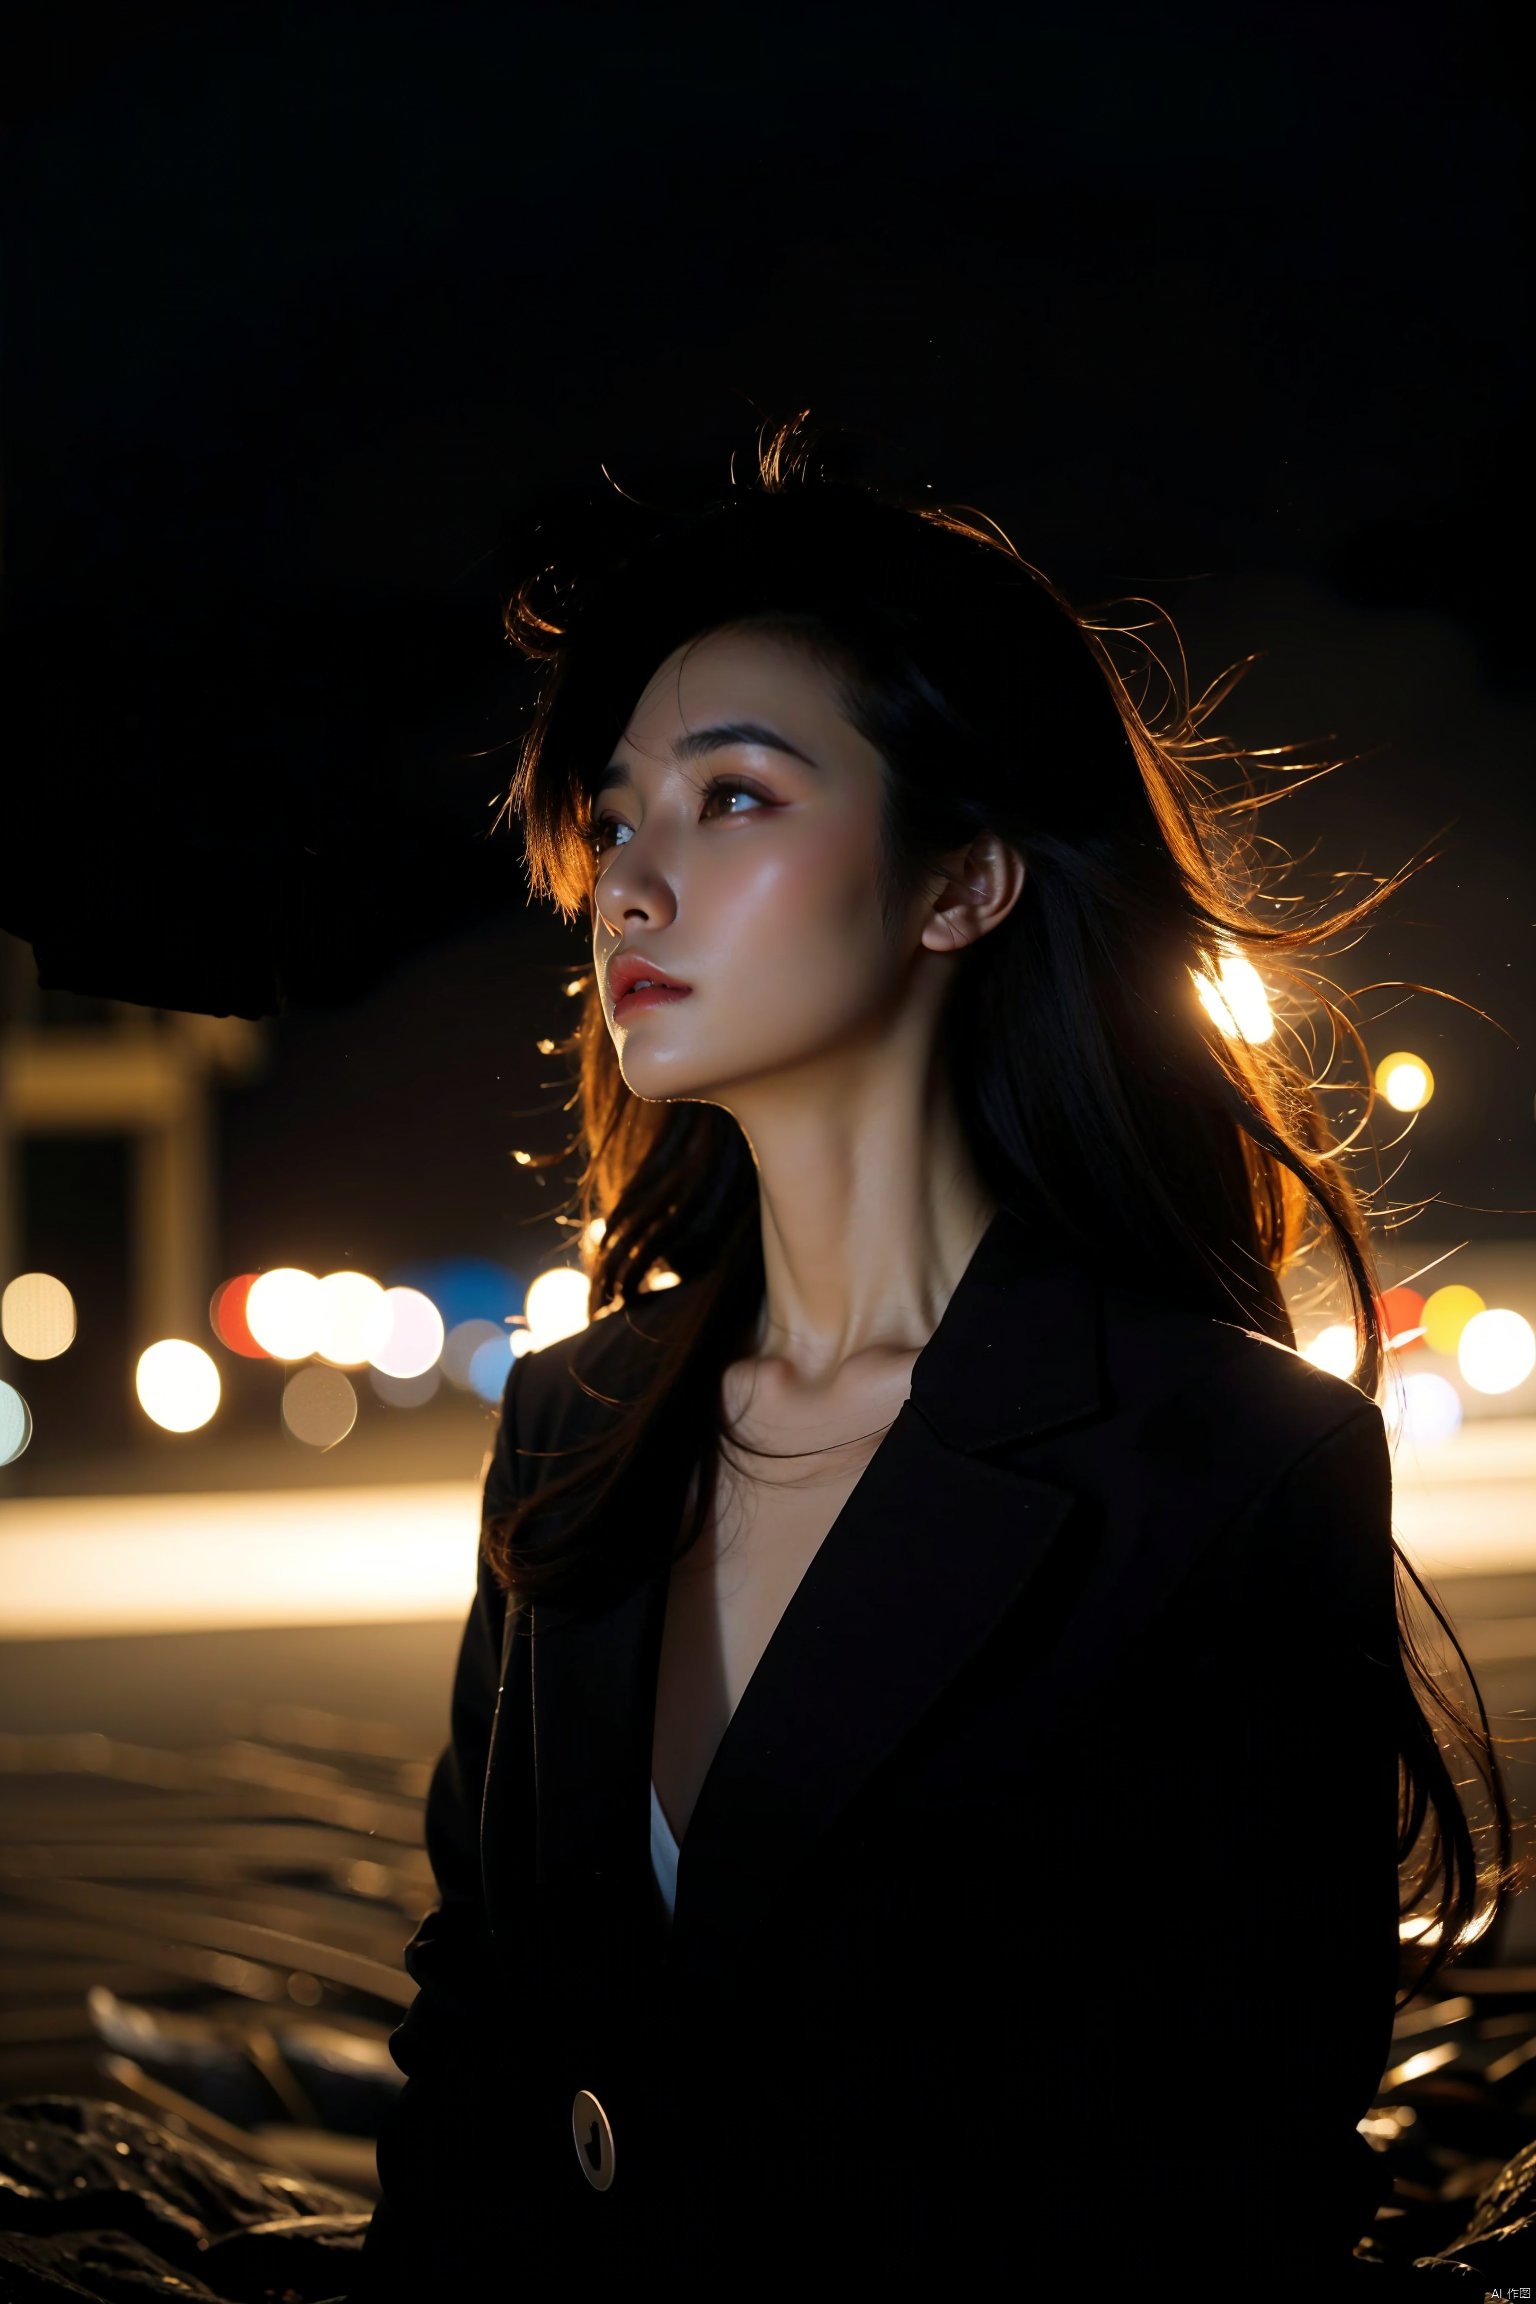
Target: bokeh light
x,y
1429,1411
557,1305
1445,1315
15,1423
460,1346
1496,1350
1402,1316
1235,999
521,1342
319,1406
462,1287
354,1319
414,1339
406,1391
37,1316
1405,1080
1333,1348
283,1312
489,1367
177,1384
226,1317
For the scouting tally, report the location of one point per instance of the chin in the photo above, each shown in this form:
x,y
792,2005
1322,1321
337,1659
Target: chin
x,y
658,1083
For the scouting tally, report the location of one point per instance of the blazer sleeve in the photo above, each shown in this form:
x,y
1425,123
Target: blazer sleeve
x,y
452,2146
1264,1964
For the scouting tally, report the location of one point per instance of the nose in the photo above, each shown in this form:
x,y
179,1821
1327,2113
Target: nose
x,y
628,892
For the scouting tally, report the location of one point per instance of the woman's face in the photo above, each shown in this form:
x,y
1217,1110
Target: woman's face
x,y
744,871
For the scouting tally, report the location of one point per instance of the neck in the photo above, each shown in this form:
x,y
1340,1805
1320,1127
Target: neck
x,y
871,1209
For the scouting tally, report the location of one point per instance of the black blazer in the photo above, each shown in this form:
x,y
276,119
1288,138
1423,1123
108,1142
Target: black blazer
x,y
1037,1922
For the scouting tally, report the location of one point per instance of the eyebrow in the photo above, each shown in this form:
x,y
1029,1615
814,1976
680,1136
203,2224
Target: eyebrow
x,y
700,741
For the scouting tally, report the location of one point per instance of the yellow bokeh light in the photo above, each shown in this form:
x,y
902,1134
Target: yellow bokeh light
x,y
1405,1080
354,1319
37,1316
1236,1000
284,1312
556,1305
1446,1313
1496,1350
177,1384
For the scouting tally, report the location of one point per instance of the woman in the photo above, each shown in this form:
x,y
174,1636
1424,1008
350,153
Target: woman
x,y
922,1805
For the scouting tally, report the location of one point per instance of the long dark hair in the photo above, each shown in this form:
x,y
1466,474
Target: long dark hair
x,y
1196,1158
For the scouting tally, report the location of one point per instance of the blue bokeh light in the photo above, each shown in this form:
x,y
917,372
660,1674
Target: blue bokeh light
x,y
490,1367
463,1287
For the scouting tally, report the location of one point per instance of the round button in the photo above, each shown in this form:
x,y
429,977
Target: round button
x,y
593,2138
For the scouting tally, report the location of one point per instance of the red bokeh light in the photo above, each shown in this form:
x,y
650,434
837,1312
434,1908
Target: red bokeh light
x,y
226,1316
1403,1309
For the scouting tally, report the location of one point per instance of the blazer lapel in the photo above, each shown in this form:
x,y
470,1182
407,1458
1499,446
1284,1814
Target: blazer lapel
x,y
930,1550
933,1545
593,1675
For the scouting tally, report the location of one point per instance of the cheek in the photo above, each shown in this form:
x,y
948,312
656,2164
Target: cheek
x,y
800,940
811,893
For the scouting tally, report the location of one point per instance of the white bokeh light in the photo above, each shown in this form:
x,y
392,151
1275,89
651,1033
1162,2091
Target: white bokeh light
x,y
557,1305
1429,1410
1496,1350
1334,1349
283,1311
354,1319
15,1423
177,1384
413,1341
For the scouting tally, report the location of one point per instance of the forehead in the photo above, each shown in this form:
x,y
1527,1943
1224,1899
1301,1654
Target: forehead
x,y
740,675
739,688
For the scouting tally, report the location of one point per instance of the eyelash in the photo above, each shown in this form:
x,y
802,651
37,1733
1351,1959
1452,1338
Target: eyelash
x,y
715,784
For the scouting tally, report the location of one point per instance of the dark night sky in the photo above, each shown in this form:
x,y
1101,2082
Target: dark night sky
x,y
308,309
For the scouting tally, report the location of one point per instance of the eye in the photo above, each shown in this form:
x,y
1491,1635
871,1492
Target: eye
x,y
729,785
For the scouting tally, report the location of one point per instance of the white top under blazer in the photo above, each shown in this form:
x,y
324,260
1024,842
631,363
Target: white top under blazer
x,y
663,1853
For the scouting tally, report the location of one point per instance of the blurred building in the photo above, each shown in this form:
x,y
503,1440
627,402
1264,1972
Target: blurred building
x,y
73,1066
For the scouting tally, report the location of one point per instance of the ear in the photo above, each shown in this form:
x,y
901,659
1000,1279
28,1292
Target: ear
x,y
974,889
